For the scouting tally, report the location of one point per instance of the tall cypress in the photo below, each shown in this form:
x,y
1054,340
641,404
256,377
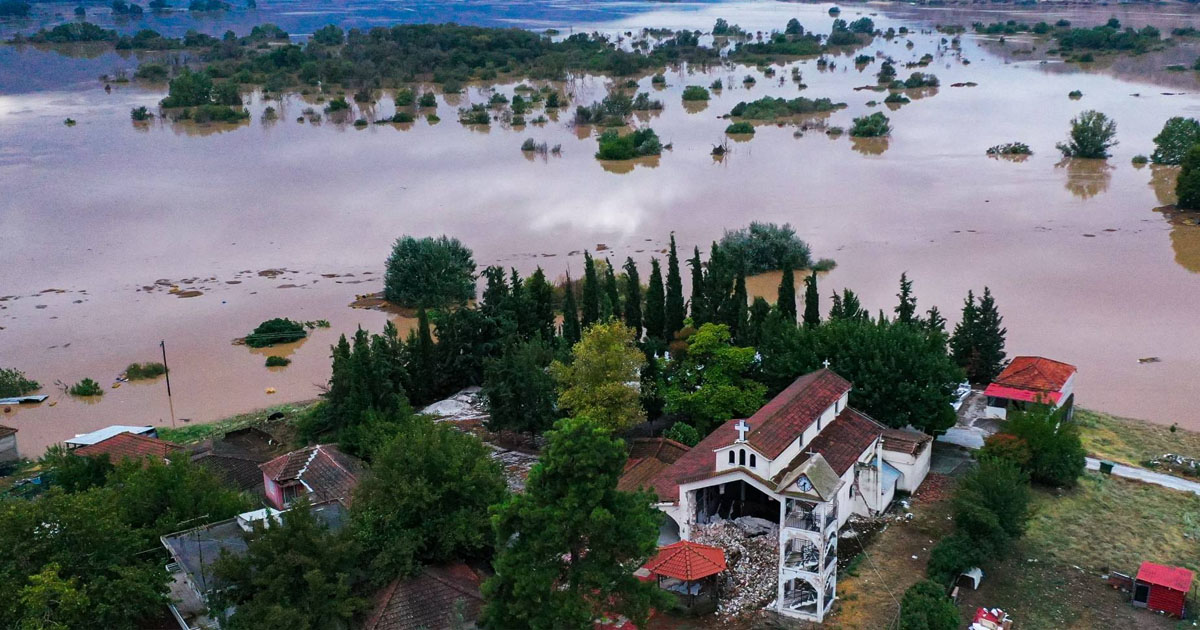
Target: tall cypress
x,y
906,310
740,320
989,342
812,301
424,359
760,310
934,322
633,298
655,304
571,332
673,312
611,304
591,292
699,300
787,293
495,293
541,304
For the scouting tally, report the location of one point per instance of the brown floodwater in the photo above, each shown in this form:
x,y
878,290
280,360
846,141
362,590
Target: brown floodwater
x,y
106,225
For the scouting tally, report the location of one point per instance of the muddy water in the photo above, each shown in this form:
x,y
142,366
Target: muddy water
x,y
1084,268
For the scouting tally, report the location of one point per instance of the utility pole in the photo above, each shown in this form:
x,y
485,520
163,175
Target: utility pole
x,y
167,371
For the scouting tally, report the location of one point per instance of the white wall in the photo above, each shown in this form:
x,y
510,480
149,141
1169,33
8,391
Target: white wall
x,y
913,469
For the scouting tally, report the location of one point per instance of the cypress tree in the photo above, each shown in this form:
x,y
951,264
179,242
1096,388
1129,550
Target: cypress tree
x,y
740,325
541,304
978,341
934,322
571,331
674,313
495,293
760,310
699,301
424,359
591,292
611,304
787,293
812,302
906,310
633,298
655,304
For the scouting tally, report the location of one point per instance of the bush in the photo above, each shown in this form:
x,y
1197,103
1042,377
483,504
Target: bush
x,y
1075,95
140,114
926,606
658,79
13,382
695,93
742,127
766,247
716,85
274,361
273,331
403,117
1187,186
428,99
152,72
338,104
86,387
1056,455
897,98
476,114
1011,148
189,89
1178,135
767,108
1091,136
429,272
921,80
1139,160
683,433
991,504
873,126
951,556
405,97
640,143
1008,447
144,371
643,103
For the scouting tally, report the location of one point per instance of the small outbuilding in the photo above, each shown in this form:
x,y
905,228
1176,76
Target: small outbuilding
x,y
1162,588
1030,380
688,569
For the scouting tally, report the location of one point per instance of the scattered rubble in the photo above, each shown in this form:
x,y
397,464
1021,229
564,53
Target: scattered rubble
x,y
750,579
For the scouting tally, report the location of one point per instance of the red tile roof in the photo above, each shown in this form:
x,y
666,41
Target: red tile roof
x,y
6,431
326,471
904,441
843,441
1174,578
428,601
696,463
1026,395
1035,373
686,560
648,457
787,415
129,445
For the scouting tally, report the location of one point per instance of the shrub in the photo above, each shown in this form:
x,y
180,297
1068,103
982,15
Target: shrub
x,y
748,80
741,127
921,80
897,98
1010,148
403,117
951,556
766,247
1187,186
144,371
926,606
273,331
405,97
716,85
643,103
338,104
658,79
151,72
1139,160
1178,135
13,382
1075,95
1007,446
683,433
695,93
767,108
498,99
873,126
1056,455
640,143
1091,136
428,99
140,114
86,387
274,361
189,89
430,272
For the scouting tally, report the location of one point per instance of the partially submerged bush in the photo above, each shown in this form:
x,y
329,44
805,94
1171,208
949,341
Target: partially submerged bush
x,y
921,80
896,98
274,361
640,143
695,93
767,108
144,371
1178,135
740,127
873,126
13,382
1092,135
767,246
140,114
273,331
86,387
1010,148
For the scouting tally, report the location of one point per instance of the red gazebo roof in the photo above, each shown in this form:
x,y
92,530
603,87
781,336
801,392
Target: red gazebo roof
x,y
688,561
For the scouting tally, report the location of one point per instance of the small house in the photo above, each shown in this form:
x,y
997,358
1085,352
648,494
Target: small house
x,y
439,598
1162,588
129,446
85,439
321,472
8,444
1030,380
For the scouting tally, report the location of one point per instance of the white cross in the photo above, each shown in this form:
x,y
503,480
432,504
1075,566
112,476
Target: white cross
x,y
826,363
742,428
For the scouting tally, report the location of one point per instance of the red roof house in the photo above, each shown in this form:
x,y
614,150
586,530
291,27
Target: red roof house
x,y
129,446
321,472
1030,380
1162,588
432,600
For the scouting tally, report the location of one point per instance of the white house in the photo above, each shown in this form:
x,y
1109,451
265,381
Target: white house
x,y
1030,380
807,461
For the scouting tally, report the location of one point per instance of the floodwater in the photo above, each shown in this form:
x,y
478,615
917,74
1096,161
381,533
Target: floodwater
x,y
105,225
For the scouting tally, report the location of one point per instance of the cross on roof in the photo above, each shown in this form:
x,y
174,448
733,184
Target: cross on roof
x,y
826,363
742,428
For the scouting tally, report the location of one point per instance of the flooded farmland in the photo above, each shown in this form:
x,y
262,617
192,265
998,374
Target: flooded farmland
x,y
115,236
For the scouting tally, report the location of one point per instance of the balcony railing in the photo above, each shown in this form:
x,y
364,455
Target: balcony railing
x,y
802,519
804,601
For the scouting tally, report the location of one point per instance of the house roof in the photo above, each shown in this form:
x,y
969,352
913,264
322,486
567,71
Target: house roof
x,y
129,446
686,560
1025,395
326,471
843,441
6,431
788,414
1174,578
428,601
904,441
693,464
83,439
648,457
1035,373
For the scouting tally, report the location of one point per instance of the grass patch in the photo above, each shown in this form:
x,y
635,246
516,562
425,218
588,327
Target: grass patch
x,y
1130,441
193,433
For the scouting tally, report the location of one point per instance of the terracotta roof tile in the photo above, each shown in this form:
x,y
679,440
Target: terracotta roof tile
x,y
428,601
904,441
697,463
647,458
842,441
1035,373
686,560
787,415
129,445
328,472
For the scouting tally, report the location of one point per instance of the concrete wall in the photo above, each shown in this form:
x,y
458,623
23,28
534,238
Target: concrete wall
x,y
8,448
913,469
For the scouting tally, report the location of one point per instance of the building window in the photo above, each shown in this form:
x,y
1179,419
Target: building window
x,y
742,457
851,491
731,458
753,460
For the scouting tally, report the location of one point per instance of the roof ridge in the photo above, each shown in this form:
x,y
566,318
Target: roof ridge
x,y
452,585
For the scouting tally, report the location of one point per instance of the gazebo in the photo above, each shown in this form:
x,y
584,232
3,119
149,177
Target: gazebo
x,y
684,567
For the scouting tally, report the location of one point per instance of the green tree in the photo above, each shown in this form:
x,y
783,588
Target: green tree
x,y
1056,454
683,433
952,555
766,247
1092,135
430,272
52,602
1177,137
161,498
541,299
189,89
926,606
591,292
701,310
1187,186
711,383
978,341
787,293
656,304
760,310
275,331
13,382
633,298
812,301
73,473
568,546
601,380
673,308
571,329
847,307
294,575
519,390
906,310
425,500
991,504
739,319
611,302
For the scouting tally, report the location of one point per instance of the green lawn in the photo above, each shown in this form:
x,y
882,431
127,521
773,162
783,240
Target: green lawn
x,y
1132,441
197,432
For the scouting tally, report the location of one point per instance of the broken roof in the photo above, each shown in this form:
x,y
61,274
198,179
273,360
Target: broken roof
x,y
788,414
428,601
1036,374
904,441
843,441
129,446
324,469
825,482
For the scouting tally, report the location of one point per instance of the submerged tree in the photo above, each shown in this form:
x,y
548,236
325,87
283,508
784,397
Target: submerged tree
x,y
1092,135
429,272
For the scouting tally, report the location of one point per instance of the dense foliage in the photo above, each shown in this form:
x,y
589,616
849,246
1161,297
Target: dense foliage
x,y
871,126
1055,453
600,382
711,380
86,387
430,272
767,247
519,390
1092,135
640,143
978,341
13,382
1177,137
1187,186
143,371
695,93
740,127
767,108
926,606
1010,148
275,331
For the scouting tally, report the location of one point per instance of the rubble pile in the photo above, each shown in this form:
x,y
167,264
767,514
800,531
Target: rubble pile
x,y
750,580
516,466
1181,464
465,405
